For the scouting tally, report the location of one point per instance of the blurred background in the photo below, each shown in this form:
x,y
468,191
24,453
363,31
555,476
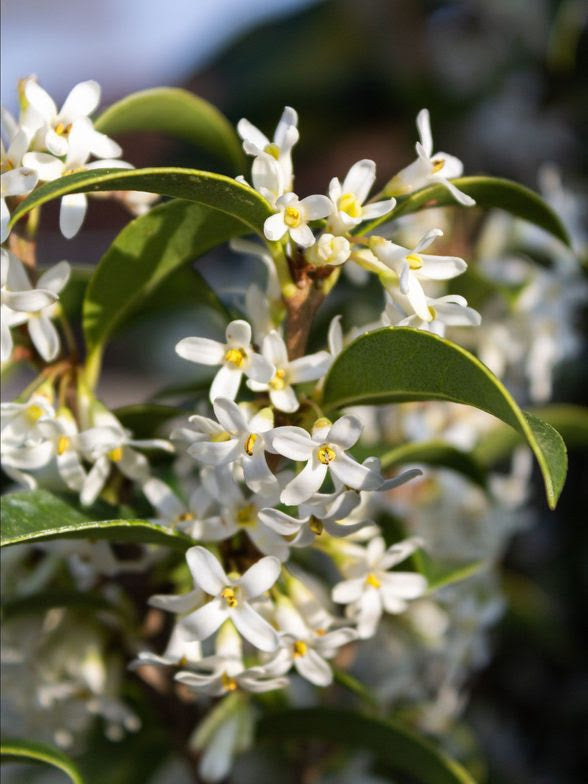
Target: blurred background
x,y
504,81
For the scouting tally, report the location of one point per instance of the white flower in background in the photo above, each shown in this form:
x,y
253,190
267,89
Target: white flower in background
x,y
181,651
293,218
15,179
323,451
347,208
429,168
73,205
280,148
372,589
20,421
329,250
412,266
304,648
236,357
231,598
267,178
43,334
18,298
449,311
194,517
307,368
225,672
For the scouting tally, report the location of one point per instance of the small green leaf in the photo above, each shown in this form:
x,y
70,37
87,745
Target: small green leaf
x,y
488,192
38,516
392,744
213,190
399,364
178,113
439,455
15,750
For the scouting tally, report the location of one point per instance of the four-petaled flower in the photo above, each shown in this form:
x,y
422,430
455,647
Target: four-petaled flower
x,y
293,218
347,208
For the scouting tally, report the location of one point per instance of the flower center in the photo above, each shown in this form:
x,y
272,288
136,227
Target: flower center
x,y
250,443
372,580
325,454
316,526
33,413
299,647
247,515
278,382
230,596
7,165
414,261
292,217
61,129
350,204
116,454
228,683
63,443
438,165
235,357
185,517
273,150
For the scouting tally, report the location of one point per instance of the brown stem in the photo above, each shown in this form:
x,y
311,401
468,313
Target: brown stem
x,y
302,306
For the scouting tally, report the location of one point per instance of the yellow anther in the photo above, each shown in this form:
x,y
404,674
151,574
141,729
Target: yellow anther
x,y
321,422
372,580
433,313
61,129
325,454
349,203
250,443
229,684
273,150
438,165
230,596
7,165
116,454
320,632
278,382
247,515
316,526
236,357
183,661
63,443
185,517
34,413
300,648
414,261
292,217
217,437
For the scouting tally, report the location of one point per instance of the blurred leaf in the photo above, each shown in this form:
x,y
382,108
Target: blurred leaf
x,y
45,600
72,297
145,419
488,192
15,750
178,113
438,454
398,364
439,575
391,742
355,686
38,516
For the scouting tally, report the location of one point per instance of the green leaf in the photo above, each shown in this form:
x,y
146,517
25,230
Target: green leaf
x,y
38,516
488,192
438,454
178,113
392,744
439,575
46,600
213,190
145,419
399,364
142,257
15,750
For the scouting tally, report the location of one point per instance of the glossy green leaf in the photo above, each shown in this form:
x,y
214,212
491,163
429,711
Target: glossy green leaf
x,y
38,516
179,113
392,744
399,364
16,750
437,454
213,190
488,192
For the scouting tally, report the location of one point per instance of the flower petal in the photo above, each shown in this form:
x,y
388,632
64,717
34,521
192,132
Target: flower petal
x,y
206,570
360,178
82,100
284,399
404,585
316,206
353,474
274,227
302,235
260,577
206,620
56,278
47,167
201,350
310,367
441,267
304,484
424,128
44,336
345,431
348,590
226,383
253,627
292,442
72,213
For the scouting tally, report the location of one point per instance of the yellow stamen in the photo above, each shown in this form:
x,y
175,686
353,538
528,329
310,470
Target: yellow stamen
x,y
230,684
185,516
34,412
247,515
273,150
63,443
349,203
315,526
292,217
325,454
7,165
183,662
414,261
372,580
61,129
300,648
116,454
438,165
250,443
278,382
433,313
320,632
235,356
230,596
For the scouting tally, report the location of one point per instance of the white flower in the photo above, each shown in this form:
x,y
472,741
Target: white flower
x,y
191,517
324,451
231,598
225,672
24,447
297,371
43,334
372,589
329,250
294,216
429,168
347,210
412,266
280,149
306,649
449,311
15,179
181,651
